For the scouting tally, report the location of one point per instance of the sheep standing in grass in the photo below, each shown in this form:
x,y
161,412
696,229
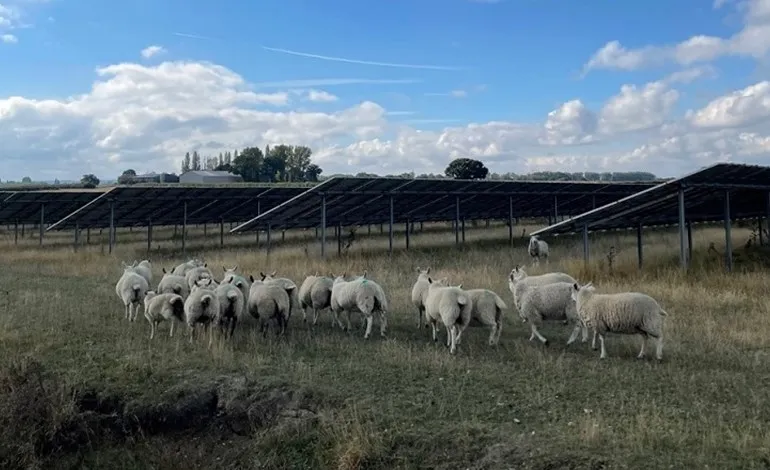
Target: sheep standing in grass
x,y
550,302
420,293
452,306
173,284
287,284
182,269
316,293
268,303
537,249
518,280
360,295
196,274
144,269
231,307
487,310
201,306
131,288
628,313
232,277
163,307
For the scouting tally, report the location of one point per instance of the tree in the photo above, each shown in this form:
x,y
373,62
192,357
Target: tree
x,y
186,163
196,161
89,181
248,164
228,159
297,163
26,179
312,172
273,168
466,169
127,177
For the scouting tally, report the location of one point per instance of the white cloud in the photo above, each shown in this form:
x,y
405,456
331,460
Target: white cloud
x,y
9,39
752,40
320,96
152,51
147,117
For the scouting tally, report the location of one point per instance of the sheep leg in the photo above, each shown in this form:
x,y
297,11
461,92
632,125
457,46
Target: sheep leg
x,y
574,334
171,332
453,338
499,330
192,333
435,331
659,348
315,316
603,354
383,323
349,327
492,333
585,332
233,323
419,317
537,334
368,326
643,351
304,314
593,341
152,329
126,314
449,336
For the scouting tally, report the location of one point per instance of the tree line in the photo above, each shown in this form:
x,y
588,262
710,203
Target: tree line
x,y
282,163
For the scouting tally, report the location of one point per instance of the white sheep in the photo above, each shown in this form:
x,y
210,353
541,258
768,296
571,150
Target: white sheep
x,y
360,295
131,288
316,293
201,306
268,302
452,306
420,293
624,313
182,269
173,284
144,268
487,310
518,280
163,307
231,307
537,249
239,281
550,302
196,274
287,284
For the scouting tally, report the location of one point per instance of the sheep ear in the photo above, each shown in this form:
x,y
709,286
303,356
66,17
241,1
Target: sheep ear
x,y
164,270
251,278
427,271
590,284
364,276
430,281
418,269
460,286
272,274
576,286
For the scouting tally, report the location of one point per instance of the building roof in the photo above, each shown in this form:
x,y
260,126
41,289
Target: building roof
x,y
210,173
704,201
354,200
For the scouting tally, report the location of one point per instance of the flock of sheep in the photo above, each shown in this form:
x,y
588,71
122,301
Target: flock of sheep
x,y
190,294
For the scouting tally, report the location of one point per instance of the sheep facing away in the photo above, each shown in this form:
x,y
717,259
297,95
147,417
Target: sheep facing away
x,y
163,307
487,310
231,307
232,277
624,313
518,280
173,284
360,295
550,302
316,293
131,288
196,274
287,284
201,306
537,249
420,293
268,303
452,306
181,269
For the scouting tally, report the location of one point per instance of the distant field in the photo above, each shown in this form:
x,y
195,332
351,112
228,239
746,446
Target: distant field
x,y
83,388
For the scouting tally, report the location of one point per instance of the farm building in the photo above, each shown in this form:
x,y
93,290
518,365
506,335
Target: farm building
x,y
210,177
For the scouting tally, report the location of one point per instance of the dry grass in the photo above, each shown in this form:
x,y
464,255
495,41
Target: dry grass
x,y
99,393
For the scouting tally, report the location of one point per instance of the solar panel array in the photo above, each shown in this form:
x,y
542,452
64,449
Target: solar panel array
x,y
25,207
136,206
704,195
350,201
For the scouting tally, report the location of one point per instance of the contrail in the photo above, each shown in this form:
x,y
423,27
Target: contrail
x,y
194,36
333,82
362,62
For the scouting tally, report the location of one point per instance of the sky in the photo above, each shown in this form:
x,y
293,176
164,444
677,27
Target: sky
x,y
384,86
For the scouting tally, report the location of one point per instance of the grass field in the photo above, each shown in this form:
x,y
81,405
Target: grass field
x,y
80,387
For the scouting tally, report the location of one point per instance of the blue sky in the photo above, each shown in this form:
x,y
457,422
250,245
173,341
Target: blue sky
x,y
510,61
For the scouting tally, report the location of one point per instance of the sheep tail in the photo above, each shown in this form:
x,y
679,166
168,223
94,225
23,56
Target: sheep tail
x,y
499,303
232,297
177,307
367,304
663,312
462,300
206,300
135,289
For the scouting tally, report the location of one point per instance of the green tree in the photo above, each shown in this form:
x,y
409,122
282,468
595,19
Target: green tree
x,y
127,177
196,161
273,168
248,164
186,163
297,162
466,169
26,179
312,172
89,181
228,159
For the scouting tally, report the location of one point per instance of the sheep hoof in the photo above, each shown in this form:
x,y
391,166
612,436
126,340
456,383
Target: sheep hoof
x,y
545,343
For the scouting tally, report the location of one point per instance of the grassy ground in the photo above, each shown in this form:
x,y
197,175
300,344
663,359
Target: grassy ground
x,y
82,388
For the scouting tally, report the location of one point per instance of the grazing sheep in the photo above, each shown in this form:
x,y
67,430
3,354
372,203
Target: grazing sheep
x,y
196,274
232,277
182,269
624,313
550,302
420,293
268,302
231,307
537,249
487,310
316,293
201,306
452,306
360,295
518,280
287,284
163,307
173,284
131,288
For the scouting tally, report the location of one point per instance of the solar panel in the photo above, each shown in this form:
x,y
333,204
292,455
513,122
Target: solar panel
x,y
25,207
351,201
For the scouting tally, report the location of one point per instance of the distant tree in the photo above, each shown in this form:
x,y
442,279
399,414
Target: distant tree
x,y
26,179
196,161
89,181
273,168
186,163
466,168
248,164
221,159
297,163
228,158
312,172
